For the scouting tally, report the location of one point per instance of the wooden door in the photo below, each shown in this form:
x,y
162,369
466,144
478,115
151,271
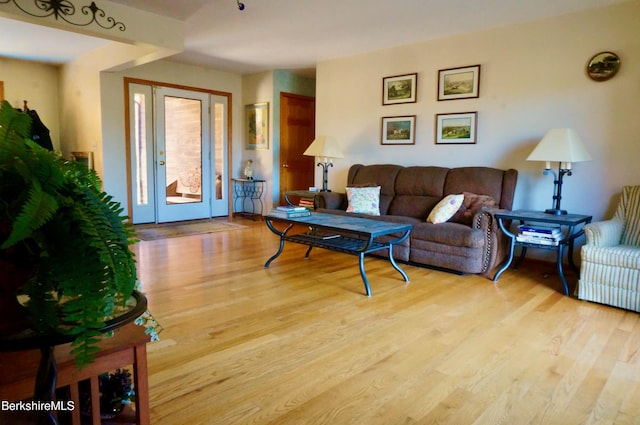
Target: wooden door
x,y
297,131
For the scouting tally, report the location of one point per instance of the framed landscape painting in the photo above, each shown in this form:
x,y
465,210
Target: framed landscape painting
x,y
257,121
399,89
398,130
459,83
455,129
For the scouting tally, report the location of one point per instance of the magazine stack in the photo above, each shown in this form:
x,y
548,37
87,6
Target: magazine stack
x,y
290,211
539,234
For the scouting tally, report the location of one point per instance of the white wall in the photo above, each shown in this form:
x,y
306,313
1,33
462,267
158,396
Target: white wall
x,y
532,79
38,84
257,88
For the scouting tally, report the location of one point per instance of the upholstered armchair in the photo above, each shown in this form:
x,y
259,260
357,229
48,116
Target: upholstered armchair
x,y
610,272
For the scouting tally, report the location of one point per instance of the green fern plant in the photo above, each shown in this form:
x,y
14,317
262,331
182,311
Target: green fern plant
x,y
68,234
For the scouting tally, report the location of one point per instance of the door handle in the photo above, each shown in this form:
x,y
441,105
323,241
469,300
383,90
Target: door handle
x,y
285,166
161,162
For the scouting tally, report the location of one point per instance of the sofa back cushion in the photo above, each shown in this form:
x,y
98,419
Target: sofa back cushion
x,y
498,184
418,190
383,175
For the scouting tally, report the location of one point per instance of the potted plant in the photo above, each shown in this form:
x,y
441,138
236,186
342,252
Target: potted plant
x,y
64,244
116,391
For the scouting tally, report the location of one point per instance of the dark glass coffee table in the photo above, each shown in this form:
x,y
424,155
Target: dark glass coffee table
x,y
347,234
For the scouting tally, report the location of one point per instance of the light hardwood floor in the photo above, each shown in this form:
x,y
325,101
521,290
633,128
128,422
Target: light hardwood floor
x,y
299,343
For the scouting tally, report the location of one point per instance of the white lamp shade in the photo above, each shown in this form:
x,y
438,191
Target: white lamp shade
x,y
560,145
324,146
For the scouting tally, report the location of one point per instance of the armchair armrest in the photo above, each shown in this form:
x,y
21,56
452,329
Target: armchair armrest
x,y
604,233
331,201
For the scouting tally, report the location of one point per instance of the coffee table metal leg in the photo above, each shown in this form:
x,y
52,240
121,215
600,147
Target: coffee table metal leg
x,y
395,265
281,247
364,275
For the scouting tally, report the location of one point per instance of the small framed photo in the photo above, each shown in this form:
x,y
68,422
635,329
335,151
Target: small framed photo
x,y
398,130
85,158
459,83
455,129
257,121
399,89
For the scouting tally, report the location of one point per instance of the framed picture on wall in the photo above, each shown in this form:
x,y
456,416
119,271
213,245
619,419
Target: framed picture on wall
x,y
257,122
399,89
459,83
85,158
456,129
398,130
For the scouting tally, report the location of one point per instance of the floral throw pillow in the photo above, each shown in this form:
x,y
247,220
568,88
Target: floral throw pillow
x,y
364,200
445,209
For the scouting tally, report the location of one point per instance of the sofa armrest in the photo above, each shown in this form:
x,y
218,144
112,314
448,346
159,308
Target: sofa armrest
x,y
604,233
331,200
496,242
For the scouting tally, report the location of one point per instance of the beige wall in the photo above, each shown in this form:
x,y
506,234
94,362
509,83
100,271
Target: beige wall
x,y
38,84
532,80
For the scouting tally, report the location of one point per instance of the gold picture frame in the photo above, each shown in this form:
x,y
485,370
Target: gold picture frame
x,y
257,126
85,158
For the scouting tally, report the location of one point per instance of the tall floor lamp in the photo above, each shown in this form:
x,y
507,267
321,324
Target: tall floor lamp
x,y
564,146
325,149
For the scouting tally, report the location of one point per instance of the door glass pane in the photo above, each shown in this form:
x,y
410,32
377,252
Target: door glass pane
x,y
218,139
183,145
140,142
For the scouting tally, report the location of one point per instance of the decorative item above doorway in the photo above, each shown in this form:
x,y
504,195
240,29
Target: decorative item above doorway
x,y
459,83
603,66
257,131
65,10
399,89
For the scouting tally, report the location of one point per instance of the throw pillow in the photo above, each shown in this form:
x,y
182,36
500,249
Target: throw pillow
x,y
445,209
364,200
471,204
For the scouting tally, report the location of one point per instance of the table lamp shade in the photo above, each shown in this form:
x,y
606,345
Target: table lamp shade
x,y
324,147
561,145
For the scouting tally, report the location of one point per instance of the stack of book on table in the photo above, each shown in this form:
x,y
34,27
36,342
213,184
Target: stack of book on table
x,y
539,234
289,211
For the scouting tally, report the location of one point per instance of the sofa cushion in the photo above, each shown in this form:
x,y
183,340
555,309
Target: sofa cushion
x,y
418,190
364,200
383,175
471,204
445,209
453,234
480,180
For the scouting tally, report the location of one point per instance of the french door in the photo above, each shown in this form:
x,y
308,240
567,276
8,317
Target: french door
x,y
178,141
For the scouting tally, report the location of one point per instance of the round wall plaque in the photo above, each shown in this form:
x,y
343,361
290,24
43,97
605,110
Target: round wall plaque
x,y
603,66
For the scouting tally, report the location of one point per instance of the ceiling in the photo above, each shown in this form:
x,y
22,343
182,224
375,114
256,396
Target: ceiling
x,y
289,34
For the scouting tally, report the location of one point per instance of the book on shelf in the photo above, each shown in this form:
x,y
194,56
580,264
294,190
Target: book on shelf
x,y
306,203
289,214
290,208
317,234
529,229
540,240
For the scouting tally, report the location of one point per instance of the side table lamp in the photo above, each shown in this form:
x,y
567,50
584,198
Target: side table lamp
x,y
325,148
564,146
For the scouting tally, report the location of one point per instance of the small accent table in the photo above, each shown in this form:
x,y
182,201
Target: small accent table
x,y
350,235
571,224
248,192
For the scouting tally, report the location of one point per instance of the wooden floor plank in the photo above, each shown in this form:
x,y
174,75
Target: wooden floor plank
x,y
299,343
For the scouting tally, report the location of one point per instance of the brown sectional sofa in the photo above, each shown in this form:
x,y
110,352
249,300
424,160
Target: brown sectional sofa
x,y
473,244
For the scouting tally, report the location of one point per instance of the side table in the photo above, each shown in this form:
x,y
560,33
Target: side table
x,y
248,197
572,226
